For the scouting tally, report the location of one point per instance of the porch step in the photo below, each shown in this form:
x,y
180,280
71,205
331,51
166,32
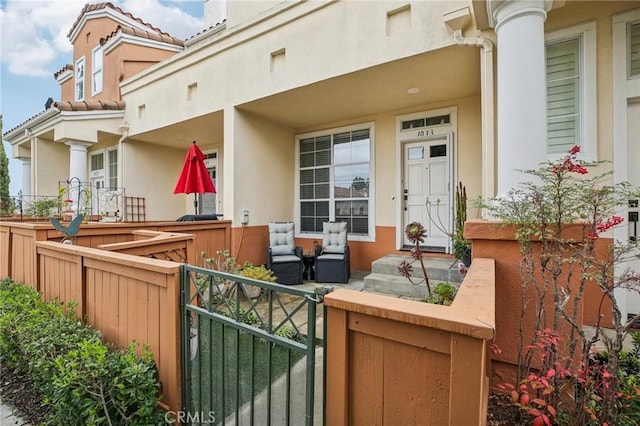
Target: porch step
x,y
385,278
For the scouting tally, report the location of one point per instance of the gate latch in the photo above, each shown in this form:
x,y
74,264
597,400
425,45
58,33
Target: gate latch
x,y
319,294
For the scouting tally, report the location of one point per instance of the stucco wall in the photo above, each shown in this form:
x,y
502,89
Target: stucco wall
x,y
53,165
263,158
239,67
151,172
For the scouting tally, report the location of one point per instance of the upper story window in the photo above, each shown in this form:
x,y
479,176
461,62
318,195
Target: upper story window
x,y
571,90
634,49
96,70
79,79
335,170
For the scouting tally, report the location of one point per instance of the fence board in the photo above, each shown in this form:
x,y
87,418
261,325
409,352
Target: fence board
x,y
18,252
126,297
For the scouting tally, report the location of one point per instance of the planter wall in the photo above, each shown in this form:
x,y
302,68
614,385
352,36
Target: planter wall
x,y
492,239
395,361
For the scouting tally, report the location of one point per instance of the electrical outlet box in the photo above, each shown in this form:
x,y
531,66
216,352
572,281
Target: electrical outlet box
x,y
245,217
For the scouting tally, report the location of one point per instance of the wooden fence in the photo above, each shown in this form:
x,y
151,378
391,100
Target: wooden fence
x,y
157,245
399,362
124,296
17,241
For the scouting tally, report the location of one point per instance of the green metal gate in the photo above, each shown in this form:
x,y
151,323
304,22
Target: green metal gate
x,y
248,350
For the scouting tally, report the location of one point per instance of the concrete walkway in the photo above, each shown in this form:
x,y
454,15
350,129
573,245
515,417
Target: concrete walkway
x,y
8,416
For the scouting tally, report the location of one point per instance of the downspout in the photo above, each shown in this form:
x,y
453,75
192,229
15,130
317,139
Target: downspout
x,y
487,107
124,128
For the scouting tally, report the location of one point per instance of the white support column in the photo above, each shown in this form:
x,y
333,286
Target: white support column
x,y
26,175
78,160
522,115
77,170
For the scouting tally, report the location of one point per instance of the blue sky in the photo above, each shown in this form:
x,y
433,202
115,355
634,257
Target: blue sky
x,y
34,45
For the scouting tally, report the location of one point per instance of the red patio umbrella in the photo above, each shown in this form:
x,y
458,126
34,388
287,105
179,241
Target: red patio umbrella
x,y
194,178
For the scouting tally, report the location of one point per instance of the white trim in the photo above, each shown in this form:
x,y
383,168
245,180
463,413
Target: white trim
x,y
64,76
95,153
108,12
218,166
107,172
588,86
624,89
371,237
94,51
205,34
120,38
412,135
76,69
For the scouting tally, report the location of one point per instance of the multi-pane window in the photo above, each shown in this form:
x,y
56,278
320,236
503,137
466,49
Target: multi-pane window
x,y
335,173
571,90
634,49
112,164
97,162
79,79
563,95
96,70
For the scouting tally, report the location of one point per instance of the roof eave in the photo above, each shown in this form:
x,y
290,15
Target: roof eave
x,y
23,131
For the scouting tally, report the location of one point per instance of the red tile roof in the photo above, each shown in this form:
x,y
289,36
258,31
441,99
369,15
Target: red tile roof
x,y
89,105
165,38
77,106
68,67
208,29
91,7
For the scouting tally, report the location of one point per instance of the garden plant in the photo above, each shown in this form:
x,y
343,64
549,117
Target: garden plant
x,y
81,379
444,292
562,219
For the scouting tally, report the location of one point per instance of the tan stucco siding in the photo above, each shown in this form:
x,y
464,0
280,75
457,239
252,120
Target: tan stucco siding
x,y
262,168
242,66
52,166
87,40
151,172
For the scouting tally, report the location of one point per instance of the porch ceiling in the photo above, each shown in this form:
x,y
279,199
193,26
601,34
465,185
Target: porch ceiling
x,y
206,129
441,75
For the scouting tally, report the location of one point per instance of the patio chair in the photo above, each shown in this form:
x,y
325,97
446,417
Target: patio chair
x,y
332,258
283,257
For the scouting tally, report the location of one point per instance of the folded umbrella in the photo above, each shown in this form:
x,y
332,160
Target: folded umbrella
x,y
194,177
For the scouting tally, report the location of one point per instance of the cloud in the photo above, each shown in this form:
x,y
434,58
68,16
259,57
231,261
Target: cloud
x,y
170,18
34,32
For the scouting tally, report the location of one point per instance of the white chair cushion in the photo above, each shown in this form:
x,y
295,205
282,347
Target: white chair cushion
x,y
281,239
334,237
285,259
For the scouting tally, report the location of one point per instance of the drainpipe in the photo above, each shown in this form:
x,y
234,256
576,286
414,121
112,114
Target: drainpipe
x,y
487,106
124,128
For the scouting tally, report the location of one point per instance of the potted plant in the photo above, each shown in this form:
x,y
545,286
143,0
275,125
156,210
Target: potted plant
x,y
461,246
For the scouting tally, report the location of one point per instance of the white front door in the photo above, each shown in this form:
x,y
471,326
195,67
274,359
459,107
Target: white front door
x,y
207,204
97,177
633,147
427,191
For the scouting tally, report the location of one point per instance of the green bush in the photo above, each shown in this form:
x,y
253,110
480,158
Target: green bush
x,y
83,380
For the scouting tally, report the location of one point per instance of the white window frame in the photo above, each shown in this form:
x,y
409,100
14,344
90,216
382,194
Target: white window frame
x,y
629,24
372,204
79,70
96,70
588,96
107,168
